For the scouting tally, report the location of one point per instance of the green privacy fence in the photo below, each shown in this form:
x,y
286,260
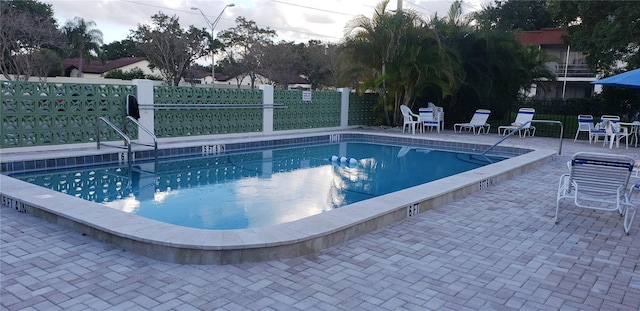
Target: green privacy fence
x,y
361,108
39,114
42,114
205,111
322,109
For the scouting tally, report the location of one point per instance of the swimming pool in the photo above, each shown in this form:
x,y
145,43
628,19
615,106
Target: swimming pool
x,y
307,235
260,188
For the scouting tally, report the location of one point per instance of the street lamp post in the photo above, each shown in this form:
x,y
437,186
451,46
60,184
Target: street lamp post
x,y
213,26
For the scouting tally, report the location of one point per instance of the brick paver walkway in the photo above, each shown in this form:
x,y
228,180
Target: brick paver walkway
x,y
494,250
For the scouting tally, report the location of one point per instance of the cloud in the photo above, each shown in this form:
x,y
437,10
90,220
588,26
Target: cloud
x,y
293,20
318,19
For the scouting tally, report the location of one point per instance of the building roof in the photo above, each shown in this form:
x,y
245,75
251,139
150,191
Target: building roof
x,y
545,36
291,79
199,74
99,67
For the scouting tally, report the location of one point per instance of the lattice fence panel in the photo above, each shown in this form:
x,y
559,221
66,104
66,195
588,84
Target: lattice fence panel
x,y
217,114
322,111
361,108
40,114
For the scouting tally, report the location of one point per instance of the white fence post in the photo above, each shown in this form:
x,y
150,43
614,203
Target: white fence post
x,y
344,106
145,102
267,109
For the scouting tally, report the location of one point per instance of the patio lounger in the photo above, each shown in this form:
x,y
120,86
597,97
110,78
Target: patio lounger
x,y
478,121
520,124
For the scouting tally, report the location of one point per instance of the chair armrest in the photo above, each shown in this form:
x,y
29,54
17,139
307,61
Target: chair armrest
x,y
563,184
623,130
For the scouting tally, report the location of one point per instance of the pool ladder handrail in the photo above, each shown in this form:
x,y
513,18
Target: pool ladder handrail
x,y
151,134
522,126
127,140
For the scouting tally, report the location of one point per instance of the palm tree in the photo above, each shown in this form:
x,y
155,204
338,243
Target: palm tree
x,y
83,39
491,67
466,51
397,54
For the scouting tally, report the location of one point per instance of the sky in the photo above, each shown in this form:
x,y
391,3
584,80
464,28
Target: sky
x,y
293,20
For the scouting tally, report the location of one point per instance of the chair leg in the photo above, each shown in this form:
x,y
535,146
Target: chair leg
x,y
555,219
629,214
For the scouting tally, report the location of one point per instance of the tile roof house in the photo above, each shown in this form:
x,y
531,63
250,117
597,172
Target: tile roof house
x,y
97,69
572,72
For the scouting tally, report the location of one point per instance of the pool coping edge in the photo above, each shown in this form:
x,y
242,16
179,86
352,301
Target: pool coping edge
x,y
178,244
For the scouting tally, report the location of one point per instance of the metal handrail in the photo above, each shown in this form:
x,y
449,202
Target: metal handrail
x,y
522,126
140,126
208,106
561,131
127,140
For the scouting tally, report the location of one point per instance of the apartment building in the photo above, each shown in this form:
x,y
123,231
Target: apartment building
x,y
573,77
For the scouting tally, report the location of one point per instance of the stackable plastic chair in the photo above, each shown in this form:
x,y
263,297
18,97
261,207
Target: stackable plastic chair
x,y
585,124
409,119
599,181
428,119
520,124
614,133
478,122
600,129
438,114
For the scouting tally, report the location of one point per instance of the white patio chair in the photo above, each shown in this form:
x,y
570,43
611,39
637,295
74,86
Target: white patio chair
x,y
615,132
428,119
438,114
524,115
599,181
478,122
409,119
585,124
595,134
635,181
600,129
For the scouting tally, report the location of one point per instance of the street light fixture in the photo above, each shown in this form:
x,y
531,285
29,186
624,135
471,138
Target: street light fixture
x,y
213,26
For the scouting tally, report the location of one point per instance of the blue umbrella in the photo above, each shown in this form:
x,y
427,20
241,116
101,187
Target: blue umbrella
x,y
626,79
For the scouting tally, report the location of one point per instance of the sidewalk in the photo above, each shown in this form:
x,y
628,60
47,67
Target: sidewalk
x,y
497,249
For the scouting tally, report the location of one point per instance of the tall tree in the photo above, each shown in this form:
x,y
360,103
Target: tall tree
x,y
280,62
515,15
608,32
491,66
244,45
170,48
397,54
120,49
319,63
231,68
30,41
464,51
84,38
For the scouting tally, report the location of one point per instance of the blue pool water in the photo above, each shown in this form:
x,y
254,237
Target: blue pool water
x,y
256,189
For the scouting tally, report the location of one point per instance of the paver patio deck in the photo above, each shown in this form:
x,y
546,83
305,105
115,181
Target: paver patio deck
x,y
497,249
